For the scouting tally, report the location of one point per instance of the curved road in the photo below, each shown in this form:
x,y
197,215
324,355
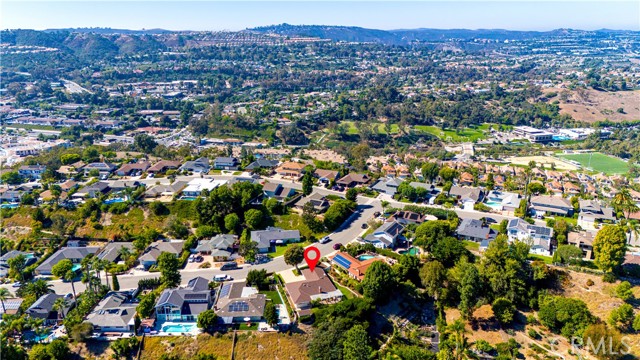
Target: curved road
x,y
346,233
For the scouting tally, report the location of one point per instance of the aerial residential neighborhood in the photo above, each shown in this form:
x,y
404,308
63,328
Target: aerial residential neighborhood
x,y
210,186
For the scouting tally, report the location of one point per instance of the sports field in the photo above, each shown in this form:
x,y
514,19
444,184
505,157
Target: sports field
x,y
598,162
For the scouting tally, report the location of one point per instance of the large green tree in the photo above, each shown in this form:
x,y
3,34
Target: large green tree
x,y
169,266
207,321
356,344
379,282
294,255
609,248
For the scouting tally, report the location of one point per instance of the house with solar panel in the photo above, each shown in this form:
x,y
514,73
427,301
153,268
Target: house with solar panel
x,y
184,304
356,268
239,303
538,237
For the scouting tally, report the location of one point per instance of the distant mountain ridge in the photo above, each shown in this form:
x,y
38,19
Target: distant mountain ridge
x,y
108,31
406,36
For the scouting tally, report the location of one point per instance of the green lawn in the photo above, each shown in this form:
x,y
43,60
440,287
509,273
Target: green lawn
x,y
467,134
546,259
598,162
281,249
352,130
273,295
346,292
471,245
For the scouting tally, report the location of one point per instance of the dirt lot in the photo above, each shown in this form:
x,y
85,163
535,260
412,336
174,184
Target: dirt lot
x,y
592,105
542,160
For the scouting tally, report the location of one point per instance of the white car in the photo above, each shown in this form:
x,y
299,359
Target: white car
x,y
325,240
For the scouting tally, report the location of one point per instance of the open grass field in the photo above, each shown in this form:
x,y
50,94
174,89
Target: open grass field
x,y
598,162
545,161
352,130
467,134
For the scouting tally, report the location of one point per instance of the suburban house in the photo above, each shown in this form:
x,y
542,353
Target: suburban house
x,y
353,179
68,185
162,166
291,169
184,304
220,247
43,309
466,196
466,179
262,163
319,202
11,196
386,235
502,200
92,191
551,205
277,191
266,239
592,213
409,217
196,186
326,176
11,306
4,260
388,185
354,267
132,169
238,303
165,190
75,254
225,163
538,237
200,165
475,230
315,286
112,251
104,168
120,185
31,171
153,251
584,241
114,314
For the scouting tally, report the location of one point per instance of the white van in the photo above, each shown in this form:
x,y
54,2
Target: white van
x,y
221,278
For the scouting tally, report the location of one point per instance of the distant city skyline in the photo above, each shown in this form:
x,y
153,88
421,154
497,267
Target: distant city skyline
x,y
384,15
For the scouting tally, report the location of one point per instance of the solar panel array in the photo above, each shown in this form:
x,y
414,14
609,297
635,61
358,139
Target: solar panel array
x,y
239,306
342,261
195,296
224,292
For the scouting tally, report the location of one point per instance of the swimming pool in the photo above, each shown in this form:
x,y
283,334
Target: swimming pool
x,y
188,198
412,251
179,328
9,206
560,138
365,257
114,201
494,204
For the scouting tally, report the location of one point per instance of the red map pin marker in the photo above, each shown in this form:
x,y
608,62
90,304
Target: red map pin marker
x,y
312,256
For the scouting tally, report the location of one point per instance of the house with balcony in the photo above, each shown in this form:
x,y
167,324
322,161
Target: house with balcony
x,y
184,304
114,314
538,237
592,214
31,171
226,163
550,205
584,241
291,169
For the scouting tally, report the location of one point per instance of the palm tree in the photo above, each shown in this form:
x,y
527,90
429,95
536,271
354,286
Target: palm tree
x,y
462,345
39,288
623,201
70,276
4,295
59,305
106,264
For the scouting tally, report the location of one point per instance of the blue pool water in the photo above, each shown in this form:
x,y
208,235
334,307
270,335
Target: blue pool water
x,y
114,201
559,138
412,251
365,257
188,198
179,328
9,206
494,204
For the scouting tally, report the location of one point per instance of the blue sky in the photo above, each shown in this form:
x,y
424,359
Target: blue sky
x,y
236,15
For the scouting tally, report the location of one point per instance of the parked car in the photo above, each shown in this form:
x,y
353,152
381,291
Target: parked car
x,y
337,246
222,277
325,240
16,284
364,225
376,214
229,266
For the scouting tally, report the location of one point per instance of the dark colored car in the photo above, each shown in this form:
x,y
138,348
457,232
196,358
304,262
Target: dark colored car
x,y
364,225
337,246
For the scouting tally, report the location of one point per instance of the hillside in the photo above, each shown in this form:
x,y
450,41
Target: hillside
x,y
593,105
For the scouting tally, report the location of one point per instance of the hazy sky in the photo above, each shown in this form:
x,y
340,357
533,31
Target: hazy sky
x,y
236,15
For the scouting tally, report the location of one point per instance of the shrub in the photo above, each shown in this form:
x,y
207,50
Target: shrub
x,y
590,282
205,265
81,332
504,310
623,291
532,334
484,346
609,278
